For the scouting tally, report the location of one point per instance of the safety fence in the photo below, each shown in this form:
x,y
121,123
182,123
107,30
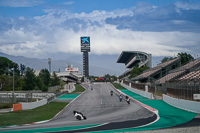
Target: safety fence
x,y
184,90
23,97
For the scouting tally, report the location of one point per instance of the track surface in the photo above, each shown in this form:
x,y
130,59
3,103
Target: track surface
x,y
99,107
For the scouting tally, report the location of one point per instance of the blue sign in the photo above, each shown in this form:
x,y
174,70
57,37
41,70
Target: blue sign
x,y
85,41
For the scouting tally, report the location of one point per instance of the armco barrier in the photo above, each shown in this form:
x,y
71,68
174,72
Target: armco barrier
x,y
33,105
17,107
139,92
191,106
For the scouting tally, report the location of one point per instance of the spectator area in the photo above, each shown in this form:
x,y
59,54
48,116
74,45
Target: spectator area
x,y
159,71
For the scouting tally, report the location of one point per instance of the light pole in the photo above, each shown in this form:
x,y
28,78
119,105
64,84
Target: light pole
x,y
49,62
13,83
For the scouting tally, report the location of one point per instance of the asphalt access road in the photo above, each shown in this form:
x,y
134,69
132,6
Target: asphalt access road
x,y
99,107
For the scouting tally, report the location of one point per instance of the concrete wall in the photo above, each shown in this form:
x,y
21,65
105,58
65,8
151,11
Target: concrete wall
x,y
139,92
54,88
33,105
70,87
187,105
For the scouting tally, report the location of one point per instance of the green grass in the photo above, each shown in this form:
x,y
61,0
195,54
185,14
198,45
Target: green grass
x,y
5,105
79,89
45,112
118,86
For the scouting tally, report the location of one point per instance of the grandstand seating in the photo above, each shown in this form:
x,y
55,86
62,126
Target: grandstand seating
x,y
189,65
176,73
155,70
194,75
170,76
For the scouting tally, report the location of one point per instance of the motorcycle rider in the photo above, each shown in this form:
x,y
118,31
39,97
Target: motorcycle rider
x,y
79,115
111,93
128,99
120,97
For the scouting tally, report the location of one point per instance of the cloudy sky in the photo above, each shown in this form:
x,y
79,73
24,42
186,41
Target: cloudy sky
x,y
37,28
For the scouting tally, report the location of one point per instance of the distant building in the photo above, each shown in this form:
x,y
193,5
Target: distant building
x,y
37,72
71,74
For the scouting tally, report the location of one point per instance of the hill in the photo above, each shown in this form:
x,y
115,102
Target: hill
x,y
99,64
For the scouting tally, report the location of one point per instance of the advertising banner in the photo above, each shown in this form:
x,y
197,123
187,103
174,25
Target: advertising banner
x,y
196,96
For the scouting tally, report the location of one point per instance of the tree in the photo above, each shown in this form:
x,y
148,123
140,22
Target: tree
x,y
22,69
7,82
185,58
45,77
165,59
29,79
55,80
107,76
5,65
137,71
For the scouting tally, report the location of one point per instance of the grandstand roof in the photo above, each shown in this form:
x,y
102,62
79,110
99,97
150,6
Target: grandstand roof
x,y
131,58
156,70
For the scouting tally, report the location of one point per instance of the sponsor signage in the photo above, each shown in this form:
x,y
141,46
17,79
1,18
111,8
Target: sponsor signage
x,y
71,69
85,44
196,96
85,49
85,41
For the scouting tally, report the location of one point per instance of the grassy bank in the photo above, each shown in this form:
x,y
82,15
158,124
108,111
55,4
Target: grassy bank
x,y
45,112
79,89
118,86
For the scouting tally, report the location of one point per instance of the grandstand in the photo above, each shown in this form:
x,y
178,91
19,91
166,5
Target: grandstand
x,y
71,74
68,77
134,58
167,78
176,73
158,72
185,86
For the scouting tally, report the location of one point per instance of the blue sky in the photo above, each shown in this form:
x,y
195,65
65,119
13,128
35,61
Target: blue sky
x,y
38,28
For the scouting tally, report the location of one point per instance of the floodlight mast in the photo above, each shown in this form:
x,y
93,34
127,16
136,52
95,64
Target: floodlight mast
x,y
49,62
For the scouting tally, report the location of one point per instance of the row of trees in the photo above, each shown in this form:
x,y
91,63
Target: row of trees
x,y
24,77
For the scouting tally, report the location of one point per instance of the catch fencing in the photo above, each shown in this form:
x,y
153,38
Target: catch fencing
x,y
183,90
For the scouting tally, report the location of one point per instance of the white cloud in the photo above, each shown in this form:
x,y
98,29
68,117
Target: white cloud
x,y
68,3
20,3
187,6
104,40
60,31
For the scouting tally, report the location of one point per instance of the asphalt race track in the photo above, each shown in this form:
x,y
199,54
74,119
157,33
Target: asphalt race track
x,y
100,108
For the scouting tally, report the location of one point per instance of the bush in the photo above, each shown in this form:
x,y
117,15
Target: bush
x,y
5,105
